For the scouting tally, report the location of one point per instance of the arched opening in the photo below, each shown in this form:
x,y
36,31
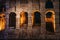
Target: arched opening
x,y
23,18
50,22
48,15
2,6
2,22
12,20
49,4
36,19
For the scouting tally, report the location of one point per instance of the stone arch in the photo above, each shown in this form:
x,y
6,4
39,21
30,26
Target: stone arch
x,y
23,18
12,19
50,21
2,22
36,18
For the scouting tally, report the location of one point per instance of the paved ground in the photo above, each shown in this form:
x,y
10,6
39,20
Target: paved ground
x,y
26,34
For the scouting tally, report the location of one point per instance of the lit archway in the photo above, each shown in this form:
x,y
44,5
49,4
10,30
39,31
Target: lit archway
x,y
2,21
12,20
23,18
50,21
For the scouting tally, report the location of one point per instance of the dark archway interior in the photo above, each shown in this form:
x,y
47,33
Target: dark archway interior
x,y
37,18
12,20
48,15
49,25
49,4
2,5
26,15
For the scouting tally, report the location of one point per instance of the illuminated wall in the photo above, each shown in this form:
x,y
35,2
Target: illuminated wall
x,y
23,18
50,20
19,19
2,21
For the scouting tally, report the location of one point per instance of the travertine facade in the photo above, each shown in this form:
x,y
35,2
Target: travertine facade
x,y
30,7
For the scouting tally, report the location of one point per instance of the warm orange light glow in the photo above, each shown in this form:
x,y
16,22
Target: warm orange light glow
x,y
32,19
52,19
2,22
22,18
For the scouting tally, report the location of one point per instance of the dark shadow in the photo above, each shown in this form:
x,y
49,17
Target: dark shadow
x,y
26,15
49,26
48,15
12,19
37,19
1,8
23,1
49,4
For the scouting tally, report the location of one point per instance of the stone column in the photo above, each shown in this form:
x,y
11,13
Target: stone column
x,y
17,9
42,11
29,15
